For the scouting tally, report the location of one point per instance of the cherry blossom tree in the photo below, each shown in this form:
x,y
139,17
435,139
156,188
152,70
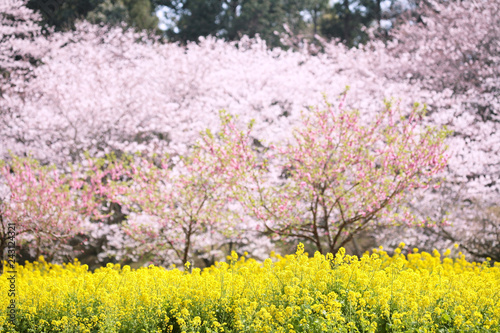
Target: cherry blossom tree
x,y
453,53
20,45
100,90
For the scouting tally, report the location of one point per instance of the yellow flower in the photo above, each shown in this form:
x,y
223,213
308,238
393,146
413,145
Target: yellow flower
x,y
196,321
274,296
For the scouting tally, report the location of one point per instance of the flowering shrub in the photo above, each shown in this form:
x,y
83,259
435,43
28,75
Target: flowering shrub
x,y
48,207
172,200
376,293
340,175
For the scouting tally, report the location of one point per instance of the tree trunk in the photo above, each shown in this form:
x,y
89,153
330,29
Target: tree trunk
x,y
186,250
315,22
379,14
188,244
356,248
347,18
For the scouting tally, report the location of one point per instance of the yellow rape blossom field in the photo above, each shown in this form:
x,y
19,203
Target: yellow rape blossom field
x,y
417,292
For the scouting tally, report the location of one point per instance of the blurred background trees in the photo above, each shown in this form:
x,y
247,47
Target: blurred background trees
x,y
187,20
63,14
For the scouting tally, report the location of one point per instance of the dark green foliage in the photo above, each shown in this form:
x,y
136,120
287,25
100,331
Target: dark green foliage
x,y
228,19
232,19
63,14
346,20
262,17
196,18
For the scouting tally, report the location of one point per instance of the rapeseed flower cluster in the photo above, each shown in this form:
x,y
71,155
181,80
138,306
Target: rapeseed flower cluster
x,y
417,292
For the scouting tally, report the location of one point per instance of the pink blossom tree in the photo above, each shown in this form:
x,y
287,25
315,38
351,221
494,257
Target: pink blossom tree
x,y
42,206
99,90
340,175
20,44
453,53
172,200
